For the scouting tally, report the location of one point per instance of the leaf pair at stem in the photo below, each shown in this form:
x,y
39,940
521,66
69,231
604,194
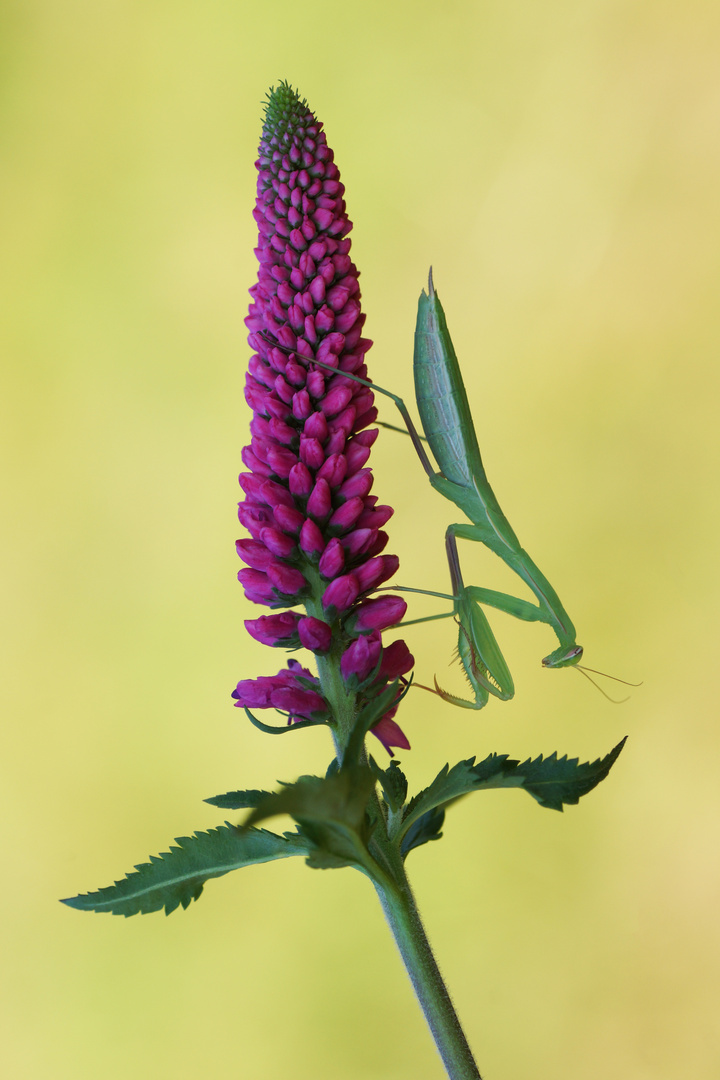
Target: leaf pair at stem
x,y
340,821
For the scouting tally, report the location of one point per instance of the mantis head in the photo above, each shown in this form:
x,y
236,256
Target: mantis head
x,y
565,656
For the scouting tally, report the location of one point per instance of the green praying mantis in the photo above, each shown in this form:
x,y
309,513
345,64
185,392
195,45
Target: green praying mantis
x,y
449,429
460,477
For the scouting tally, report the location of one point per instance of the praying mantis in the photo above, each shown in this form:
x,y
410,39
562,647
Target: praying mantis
x,y
449,429
460,477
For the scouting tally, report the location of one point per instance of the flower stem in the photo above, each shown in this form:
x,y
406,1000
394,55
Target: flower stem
x,y
404,920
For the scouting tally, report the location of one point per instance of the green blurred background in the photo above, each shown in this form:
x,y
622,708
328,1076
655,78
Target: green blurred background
x,y
559,165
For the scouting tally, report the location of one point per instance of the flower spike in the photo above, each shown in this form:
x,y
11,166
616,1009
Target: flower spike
x,y
315,528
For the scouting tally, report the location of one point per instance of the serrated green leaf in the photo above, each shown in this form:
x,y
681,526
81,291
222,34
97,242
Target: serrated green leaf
x,y
554,781
238,800
393,782
338,799
331,848
322,859
451,784
331,814
425,828
178,876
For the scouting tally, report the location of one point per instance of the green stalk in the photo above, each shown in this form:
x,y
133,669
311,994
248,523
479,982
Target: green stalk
x,y
404,920
343,705
387,872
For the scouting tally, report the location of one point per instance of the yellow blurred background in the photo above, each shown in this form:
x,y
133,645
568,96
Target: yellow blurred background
x,y
559,165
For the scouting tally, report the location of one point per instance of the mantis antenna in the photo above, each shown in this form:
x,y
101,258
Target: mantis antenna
x,y
616,701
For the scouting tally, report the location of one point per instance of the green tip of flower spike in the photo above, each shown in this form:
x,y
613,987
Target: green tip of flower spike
x,y
283,104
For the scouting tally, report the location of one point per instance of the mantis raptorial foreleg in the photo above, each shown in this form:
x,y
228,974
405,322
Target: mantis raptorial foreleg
x,y
478,651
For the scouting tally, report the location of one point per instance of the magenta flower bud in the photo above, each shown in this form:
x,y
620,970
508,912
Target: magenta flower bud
x,y
336,400
343,423
316,427
358,485
296,374
341,594
389,734
286,338
316,382
374,517
336,441
337,297
254,518
301,405
377,614
332,560
346,516
379,543
289,519
256,398
252,485
280,545
366,438
319,504
361,658
333,470
312,540
276,630
330,349
292,690
254,553
347,317
373,572
363,403
282,432
324,320
317,290
311,452
300,481
262,436
252,693
281,461
284,391
275,494
357,455
315,634
304,704
256,465
278,411
260,372
396,660
258,587
368,417
286,579
358,542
